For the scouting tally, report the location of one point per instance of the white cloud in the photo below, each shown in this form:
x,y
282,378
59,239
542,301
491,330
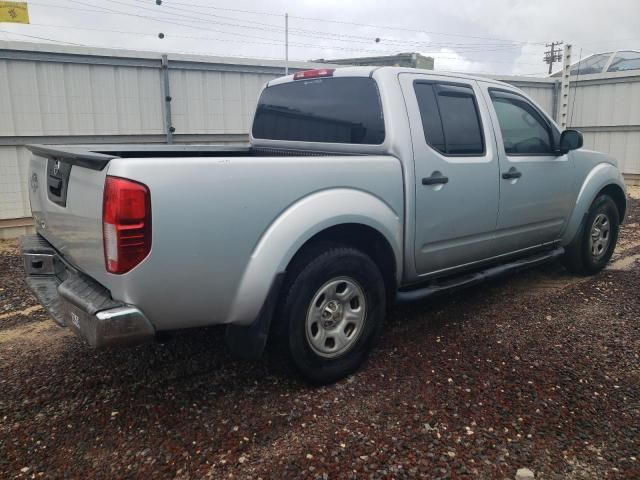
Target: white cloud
x,y
449,60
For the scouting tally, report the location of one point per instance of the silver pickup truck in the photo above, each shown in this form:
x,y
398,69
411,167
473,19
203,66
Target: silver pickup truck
x,y
361,187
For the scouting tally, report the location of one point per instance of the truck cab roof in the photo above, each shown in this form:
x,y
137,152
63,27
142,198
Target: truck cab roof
x,y
392,71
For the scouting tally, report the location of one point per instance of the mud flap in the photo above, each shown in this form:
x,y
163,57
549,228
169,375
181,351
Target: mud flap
x,y
248,342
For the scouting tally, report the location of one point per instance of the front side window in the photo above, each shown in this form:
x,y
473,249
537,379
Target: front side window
x,y
450,118
524,131
330,110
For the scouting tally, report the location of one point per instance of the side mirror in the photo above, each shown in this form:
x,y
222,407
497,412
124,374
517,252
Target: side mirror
x,y
570,140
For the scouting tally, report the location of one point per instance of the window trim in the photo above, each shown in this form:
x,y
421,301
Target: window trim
x,y
478,116
553,134
315,142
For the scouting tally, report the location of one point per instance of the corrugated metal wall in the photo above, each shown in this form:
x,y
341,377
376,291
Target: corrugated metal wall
x,y
207,102
606,108
14,196
60,94
61,99
542,93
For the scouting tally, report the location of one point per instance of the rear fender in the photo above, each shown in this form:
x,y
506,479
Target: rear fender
x,y
299,223
601,176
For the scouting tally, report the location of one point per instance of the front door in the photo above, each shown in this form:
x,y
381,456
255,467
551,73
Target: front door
x,y
456,171
536,187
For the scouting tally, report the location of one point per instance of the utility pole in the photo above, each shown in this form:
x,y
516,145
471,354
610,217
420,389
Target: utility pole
x,y
552,55
286,44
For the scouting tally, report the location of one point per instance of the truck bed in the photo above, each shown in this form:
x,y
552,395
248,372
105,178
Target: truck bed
x,y
211,207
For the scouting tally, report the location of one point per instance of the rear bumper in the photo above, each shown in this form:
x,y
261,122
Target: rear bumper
x,y
76,301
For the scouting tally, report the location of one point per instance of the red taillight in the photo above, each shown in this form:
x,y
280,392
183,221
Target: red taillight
x,y
126,224
319,72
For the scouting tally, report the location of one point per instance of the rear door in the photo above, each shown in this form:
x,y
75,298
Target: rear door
x,y
535,181
456,171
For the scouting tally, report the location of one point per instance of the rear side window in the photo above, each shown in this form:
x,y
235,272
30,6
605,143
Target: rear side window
x,y
329,110
450,118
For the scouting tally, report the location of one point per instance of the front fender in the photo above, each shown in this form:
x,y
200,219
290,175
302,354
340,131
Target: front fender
x,y
299,223
600,176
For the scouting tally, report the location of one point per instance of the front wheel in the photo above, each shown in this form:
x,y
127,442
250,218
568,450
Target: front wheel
x,y
595,243
332,313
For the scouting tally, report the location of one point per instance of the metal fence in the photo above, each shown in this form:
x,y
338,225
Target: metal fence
x,y
76,95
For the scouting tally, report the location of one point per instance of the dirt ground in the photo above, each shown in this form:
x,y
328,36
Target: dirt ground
x,y
539,370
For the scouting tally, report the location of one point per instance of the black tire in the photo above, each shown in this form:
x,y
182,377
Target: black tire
x,y
579,257
309,273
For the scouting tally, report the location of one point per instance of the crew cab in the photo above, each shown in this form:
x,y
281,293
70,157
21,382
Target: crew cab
x,y
361,187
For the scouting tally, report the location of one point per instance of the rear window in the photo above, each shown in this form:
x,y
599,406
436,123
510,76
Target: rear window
x,y
329,110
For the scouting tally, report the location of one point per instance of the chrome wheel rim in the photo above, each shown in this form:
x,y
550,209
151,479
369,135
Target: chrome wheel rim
x,y
336,317
600,236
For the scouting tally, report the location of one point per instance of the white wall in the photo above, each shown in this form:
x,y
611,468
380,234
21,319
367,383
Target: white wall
x,y
214,102
14,195
46,98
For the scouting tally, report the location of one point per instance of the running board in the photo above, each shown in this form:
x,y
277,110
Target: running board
x,y
465,280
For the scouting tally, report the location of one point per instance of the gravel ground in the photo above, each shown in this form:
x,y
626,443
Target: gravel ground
x,y
541,370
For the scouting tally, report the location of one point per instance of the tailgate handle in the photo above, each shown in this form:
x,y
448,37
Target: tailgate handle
x,y
55,186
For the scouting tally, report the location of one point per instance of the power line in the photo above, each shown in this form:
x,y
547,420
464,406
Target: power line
x,y
191,37
343,22
42,38
104,10
122,47
225,54
336,36
276,28
471,47
164,20
261,42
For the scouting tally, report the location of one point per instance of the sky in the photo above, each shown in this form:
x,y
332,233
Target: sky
x,y
489,36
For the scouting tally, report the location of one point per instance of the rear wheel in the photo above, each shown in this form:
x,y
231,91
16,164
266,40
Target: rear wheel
x,y
595,243
332,312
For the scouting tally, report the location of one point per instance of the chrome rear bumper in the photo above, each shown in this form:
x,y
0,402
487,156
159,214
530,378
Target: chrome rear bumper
x,y
76,301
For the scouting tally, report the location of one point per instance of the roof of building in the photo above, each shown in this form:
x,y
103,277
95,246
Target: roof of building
x,y
618,61
57,51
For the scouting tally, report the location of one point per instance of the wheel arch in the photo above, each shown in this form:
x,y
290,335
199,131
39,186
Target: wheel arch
x,y
366,239
356,217
603,178
618,196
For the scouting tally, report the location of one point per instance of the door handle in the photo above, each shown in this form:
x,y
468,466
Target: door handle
x,y
436,178
511,174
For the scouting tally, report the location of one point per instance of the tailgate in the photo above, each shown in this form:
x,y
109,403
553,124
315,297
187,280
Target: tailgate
x,y
66,189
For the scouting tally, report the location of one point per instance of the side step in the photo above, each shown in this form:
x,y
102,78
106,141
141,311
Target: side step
x,y
466,280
